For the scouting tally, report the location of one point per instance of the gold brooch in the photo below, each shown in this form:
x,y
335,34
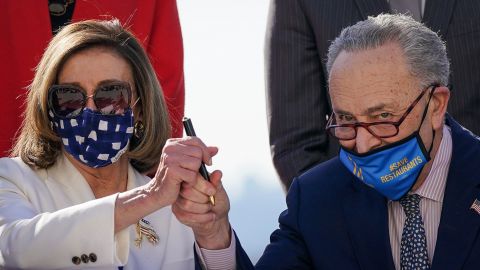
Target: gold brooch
x,y
144,229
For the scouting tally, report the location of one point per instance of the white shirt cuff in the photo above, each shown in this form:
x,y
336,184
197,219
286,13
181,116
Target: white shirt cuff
x,y
221,259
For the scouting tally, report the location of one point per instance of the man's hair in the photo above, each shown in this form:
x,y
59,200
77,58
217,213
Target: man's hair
x,y
39,146
423,49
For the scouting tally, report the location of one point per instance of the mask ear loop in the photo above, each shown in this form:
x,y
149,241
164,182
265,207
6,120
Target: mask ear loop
x,y
431,144
423,118
135,103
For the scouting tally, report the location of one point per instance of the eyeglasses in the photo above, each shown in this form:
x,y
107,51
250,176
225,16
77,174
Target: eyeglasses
x,y
68,101
382,129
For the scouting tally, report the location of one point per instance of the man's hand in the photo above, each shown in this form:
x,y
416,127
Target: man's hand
x,y
209,223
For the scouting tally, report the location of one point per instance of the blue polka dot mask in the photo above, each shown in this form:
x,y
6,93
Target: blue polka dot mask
x,y
95,138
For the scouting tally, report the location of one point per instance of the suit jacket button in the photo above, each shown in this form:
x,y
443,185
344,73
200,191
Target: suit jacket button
x,y
76,260
85,258
93,257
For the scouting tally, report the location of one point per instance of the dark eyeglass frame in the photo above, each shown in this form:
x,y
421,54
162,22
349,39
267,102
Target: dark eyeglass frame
x,y
331,127
54,87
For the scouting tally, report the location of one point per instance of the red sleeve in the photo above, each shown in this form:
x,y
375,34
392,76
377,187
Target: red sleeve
x,y
25,31
165,49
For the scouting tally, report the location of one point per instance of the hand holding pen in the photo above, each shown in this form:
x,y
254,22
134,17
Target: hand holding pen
x,y
207,216
187,123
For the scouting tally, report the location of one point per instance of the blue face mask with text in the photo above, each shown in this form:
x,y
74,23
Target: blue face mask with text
x,y
393,169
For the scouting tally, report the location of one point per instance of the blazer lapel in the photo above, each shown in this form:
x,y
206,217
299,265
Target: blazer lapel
x,y
437,15
372,7
75,189
459,224
367,222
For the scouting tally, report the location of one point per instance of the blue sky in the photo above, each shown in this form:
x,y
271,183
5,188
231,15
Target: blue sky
x,y
225,97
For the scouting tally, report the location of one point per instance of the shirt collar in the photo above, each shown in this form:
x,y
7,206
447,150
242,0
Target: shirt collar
x,y
434,186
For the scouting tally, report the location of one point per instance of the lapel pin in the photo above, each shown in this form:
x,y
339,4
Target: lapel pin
x,y
145,229
476,206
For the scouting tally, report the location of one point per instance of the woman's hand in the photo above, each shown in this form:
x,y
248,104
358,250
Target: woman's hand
x,y
209,223
179,164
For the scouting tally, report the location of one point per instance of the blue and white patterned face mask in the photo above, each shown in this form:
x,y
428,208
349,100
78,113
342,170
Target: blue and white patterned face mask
x,y
95,139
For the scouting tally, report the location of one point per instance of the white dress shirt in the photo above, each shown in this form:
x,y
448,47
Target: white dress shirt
x,y
431,193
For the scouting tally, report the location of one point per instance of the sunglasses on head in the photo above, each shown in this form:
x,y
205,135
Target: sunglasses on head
x,y
68,101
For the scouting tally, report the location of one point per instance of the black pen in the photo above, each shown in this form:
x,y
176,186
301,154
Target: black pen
x,y
187,124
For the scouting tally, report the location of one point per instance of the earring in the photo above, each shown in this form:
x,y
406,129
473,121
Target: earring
x,y
138,130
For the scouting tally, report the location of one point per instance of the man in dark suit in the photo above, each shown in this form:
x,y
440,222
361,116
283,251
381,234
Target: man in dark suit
x,y
403,193
298,35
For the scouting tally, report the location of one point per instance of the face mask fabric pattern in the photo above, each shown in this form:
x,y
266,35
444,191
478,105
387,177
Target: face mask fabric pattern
x,y
95,139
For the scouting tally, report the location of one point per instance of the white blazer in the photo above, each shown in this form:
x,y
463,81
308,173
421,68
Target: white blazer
x,y
49,216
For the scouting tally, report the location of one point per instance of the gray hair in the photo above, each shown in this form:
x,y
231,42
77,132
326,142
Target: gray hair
x,y
424,50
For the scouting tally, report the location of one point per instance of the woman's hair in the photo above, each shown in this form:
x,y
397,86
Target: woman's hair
x,y
39,146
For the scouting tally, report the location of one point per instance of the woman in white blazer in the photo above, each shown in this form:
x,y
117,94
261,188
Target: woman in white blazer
x,y
73,196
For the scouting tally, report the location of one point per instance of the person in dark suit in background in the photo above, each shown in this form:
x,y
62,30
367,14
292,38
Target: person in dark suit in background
x,y
402,194
298,35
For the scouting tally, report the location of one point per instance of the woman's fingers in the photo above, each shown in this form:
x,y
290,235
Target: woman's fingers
x,y
206,152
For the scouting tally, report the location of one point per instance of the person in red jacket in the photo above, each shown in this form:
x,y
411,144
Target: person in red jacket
x,y
27,28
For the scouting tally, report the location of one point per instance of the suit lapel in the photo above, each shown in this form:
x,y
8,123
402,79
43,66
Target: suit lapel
x,y
459,224
372,7
367,222
437,15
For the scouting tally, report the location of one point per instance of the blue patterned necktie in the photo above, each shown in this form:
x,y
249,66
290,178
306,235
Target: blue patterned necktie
x,y
413,249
